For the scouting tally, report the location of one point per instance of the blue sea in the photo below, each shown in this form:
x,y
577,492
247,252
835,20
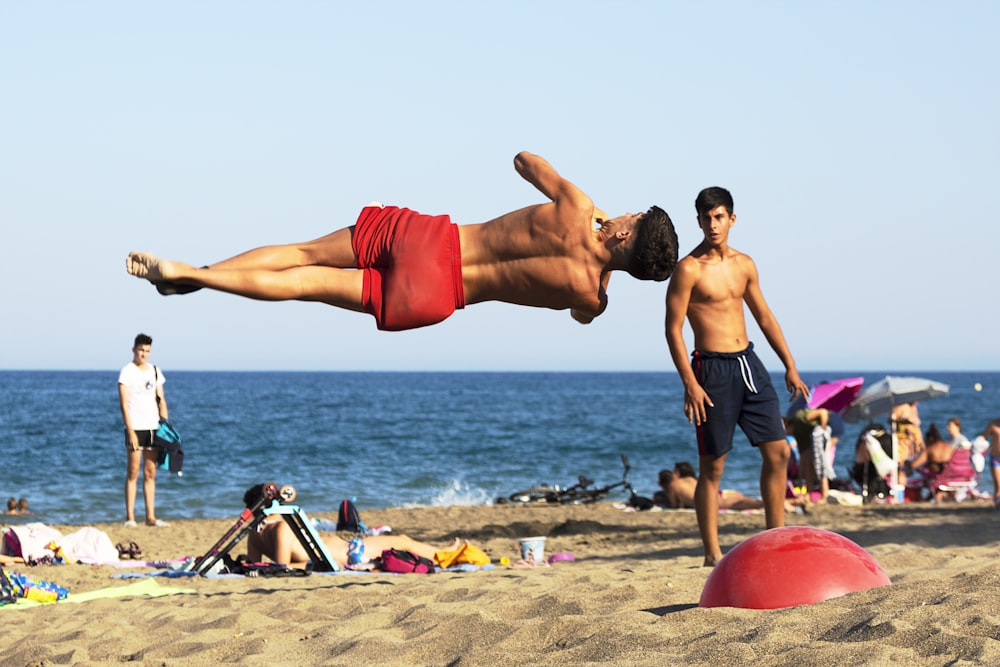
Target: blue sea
x,y
387,439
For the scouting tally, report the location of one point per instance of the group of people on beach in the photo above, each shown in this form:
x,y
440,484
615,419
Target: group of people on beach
x,y
410,270
932,465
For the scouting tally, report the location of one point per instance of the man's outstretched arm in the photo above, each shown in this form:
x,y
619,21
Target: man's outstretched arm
x,y
537,171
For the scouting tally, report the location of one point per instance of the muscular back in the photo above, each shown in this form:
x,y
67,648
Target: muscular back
x,y
544,255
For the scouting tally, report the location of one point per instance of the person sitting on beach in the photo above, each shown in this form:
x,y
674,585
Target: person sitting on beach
x,y
937,452
275,540
410,270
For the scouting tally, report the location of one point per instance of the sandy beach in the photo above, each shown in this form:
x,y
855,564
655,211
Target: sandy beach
x,y
630,597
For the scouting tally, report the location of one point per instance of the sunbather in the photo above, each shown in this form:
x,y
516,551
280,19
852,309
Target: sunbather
x,y
937,452
275,540
679,487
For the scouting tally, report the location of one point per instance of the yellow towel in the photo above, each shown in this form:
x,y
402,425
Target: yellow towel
x,y
464,554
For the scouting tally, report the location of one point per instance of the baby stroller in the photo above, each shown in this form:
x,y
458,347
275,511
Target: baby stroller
x,y
865,472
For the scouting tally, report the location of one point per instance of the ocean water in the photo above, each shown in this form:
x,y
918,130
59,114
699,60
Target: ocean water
x,y
386,439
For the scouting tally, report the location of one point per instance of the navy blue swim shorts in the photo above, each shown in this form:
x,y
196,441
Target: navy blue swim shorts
x,y
743,394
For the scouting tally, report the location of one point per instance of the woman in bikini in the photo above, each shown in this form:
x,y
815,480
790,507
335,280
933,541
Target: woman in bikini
x,y
275,540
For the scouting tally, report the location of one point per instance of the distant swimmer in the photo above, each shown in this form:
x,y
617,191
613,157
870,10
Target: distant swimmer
x,y
410,270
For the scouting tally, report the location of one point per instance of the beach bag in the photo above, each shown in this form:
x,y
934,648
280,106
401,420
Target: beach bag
x,y
397,560
31,588
640,502
31,541
168,441
348,518
7,593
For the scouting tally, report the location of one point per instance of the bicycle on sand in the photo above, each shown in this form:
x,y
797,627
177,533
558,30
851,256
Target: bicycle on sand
x,y
580,493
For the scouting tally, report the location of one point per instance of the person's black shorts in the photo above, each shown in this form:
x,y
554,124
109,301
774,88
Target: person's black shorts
x,y
145,439
741,389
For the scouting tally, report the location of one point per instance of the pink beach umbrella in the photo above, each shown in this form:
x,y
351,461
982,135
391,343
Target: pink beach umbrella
x,y
835,395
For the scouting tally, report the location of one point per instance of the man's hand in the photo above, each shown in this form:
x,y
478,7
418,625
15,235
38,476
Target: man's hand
x,y
796,386
695,402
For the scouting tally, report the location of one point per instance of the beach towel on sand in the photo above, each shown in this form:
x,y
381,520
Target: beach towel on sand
x,y
91,546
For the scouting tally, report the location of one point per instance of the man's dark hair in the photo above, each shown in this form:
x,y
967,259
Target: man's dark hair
x,y
713,197
684,469
654,253
142,339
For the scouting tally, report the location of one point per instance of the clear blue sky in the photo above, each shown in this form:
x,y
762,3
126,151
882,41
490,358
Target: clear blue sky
x,y
860,141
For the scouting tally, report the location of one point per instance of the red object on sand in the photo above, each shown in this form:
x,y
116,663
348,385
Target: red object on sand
x,y
790,566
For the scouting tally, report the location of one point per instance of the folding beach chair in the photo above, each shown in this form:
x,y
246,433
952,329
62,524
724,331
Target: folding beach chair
x,y
273,501
958,477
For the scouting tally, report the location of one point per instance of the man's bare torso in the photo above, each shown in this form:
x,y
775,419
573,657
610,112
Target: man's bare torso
x,y
540,255
715,310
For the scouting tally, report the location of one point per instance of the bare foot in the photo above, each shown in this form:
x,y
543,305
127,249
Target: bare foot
x,y
151,267
711,561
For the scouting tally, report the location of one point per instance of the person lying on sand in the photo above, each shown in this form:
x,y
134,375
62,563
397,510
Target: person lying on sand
x,y
275,540
679,487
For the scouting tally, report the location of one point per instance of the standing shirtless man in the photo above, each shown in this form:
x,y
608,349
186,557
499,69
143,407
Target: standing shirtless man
x,y
410,270
725,384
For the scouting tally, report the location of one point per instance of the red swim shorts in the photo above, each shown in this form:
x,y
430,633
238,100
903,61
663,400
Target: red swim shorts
x,y
412,266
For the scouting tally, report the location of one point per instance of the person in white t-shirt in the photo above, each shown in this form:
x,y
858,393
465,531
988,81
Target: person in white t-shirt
x,y
140,391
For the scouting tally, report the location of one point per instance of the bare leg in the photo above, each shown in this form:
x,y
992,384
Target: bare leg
x,y
376,544
333,250
734,500
318,270
149,485
706,504
333,286
131,482
807,466
773,480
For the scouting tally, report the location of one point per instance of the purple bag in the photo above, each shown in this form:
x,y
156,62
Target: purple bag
x,y
397,560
